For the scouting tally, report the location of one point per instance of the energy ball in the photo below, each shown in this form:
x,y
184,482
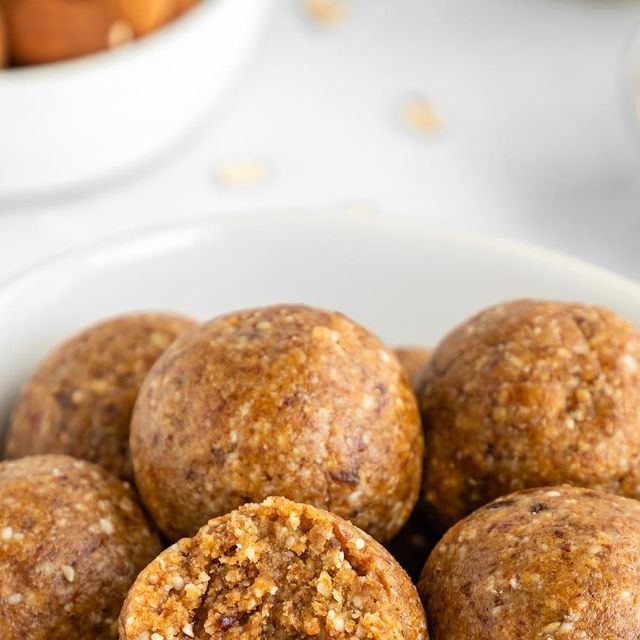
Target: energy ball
x,y
283,400
414,360
72,541
274,571
551,564
79,401
531,393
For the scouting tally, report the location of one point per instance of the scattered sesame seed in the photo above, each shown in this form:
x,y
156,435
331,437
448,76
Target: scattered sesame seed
x,y
359,543
6,533
326,12
242,174
419,115
14,598
188,630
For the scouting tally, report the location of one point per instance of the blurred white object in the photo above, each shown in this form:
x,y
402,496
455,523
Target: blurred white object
x,y
71,122
408,282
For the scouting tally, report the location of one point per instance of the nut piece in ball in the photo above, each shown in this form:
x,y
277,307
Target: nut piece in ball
x,y
414,360
531,393
559,563
284,400
274,571
72,541
79,401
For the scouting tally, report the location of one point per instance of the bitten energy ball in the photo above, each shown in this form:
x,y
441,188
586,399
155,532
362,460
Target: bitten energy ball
x,y
72,540
274,571
414,360
559,563
531,393
283,400
79,401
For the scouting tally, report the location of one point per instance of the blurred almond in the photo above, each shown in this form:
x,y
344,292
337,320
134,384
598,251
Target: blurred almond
x,y
3,43
49,30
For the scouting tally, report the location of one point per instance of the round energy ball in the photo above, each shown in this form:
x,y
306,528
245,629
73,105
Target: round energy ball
x,y
80,399
284,400
273,571
531,393
414,360
72,541
558,563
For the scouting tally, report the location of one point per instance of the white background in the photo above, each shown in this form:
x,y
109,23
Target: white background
x,y
539,140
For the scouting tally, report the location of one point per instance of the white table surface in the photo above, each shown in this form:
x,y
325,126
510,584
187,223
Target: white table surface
x,y
538,143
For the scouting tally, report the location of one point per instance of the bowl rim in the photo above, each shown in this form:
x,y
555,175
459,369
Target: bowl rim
x,y
102,250
98,60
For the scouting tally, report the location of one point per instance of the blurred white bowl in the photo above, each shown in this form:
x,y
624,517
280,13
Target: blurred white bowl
x,y
406,281
66,123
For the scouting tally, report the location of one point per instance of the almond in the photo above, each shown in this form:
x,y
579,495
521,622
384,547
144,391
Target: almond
x,y
3,43
42,31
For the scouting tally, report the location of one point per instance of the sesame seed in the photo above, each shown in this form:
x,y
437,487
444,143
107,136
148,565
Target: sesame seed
x,y
157,636
6,533
420,115
178,583
15,598
359,542
565,627
326,12
55,472
69,572
188,630
106,526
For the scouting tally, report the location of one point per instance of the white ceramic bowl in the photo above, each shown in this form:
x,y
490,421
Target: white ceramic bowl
x,y
68,123
406,281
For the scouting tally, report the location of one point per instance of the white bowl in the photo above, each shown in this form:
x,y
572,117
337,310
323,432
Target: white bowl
x,y
71,122
406,281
